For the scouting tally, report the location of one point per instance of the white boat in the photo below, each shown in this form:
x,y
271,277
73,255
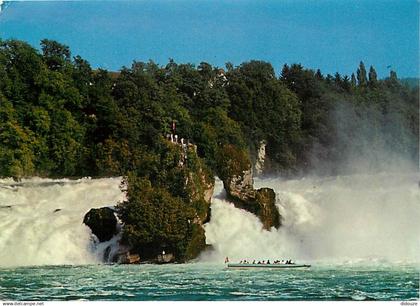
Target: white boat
x,y
266,266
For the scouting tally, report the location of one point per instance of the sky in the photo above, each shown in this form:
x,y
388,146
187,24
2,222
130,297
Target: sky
x,y
329,35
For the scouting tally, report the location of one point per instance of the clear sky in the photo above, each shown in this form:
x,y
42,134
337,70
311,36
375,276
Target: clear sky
x,y
330,35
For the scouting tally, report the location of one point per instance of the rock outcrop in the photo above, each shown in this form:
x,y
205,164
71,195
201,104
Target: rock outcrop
x,y
260,158
261,202
102,222
128,258
236,174
165,258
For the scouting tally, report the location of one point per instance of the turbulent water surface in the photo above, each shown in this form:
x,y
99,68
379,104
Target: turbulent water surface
x,y
207,282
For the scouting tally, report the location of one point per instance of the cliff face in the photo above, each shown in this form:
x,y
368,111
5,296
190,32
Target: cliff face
x,y
199,185
260,202
236,173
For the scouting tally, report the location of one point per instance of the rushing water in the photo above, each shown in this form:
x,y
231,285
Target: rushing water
x,y
207,282
41,220
359,232
342,219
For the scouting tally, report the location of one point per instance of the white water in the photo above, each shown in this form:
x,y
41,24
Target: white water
x,y
357,218
31,233
340,219
3,5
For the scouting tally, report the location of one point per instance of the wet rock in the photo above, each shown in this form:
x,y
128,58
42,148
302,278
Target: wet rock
x,y
128,258
107,252
102,223
239,185
165,258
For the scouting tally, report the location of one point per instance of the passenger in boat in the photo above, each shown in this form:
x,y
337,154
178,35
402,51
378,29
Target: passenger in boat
x,y
240,262
259,262
253,262
226,259
268,262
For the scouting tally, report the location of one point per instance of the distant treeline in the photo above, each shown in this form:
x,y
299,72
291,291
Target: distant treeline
x,y
60,117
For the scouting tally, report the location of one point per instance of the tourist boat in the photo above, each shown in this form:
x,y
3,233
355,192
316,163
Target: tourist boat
x,y
266,266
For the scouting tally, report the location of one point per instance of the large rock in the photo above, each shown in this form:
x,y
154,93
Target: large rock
x,y
102,223
165,258
128,258
268,213
261,202
239,185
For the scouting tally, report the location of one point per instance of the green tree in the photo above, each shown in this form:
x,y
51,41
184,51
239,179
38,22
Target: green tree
x,y
373,77
361,75
56,55
353,81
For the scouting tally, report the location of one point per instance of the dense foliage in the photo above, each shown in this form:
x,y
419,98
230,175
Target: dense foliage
x,y
59,117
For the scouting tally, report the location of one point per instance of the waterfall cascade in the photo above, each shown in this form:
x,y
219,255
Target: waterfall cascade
x,y
41,220
372,217
343,218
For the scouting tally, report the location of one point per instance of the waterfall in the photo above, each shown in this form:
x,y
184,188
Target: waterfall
x,y
369,217
41,220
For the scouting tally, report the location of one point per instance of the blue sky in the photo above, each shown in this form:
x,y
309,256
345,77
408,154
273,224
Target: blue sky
x,y
330,35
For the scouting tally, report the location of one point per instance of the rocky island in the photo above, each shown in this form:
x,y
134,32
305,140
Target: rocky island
x,y
163,227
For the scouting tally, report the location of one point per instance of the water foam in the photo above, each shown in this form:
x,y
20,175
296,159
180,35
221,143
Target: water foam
x,y
351,219
41,219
